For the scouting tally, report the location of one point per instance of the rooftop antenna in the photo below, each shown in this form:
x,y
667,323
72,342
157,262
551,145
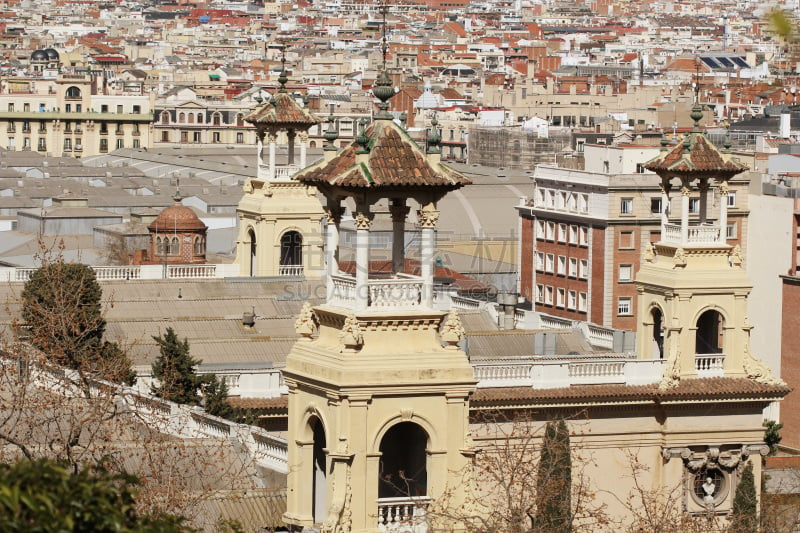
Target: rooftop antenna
x,y
384,43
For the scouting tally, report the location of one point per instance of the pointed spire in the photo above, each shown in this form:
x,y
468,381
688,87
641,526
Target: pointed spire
x,y
177,196
283,78
331,135
361,139
383,89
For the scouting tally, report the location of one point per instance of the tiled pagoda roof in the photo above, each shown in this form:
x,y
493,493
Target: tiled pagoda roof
x,y
282,111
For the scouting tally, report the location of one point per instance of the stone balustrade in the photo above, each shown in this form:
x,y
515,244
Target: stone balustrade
x,y
402,291
138,272
290,270
709,365
703,234
403,515
564,373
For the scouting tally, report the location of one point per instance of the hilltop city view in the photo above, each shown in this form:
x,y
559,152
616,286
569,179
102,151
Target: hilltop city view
x,y
409,266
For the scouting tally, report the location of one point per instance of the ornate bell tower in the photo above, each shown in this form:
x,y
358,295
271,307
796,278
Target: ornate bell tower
x,y
692,287
280,231
378,387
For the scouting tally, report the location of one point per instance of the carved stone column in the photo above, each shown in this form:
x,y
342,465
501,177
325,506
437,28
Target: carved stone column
x,y
303,148
703,187
665,188
363,220
685,192
290,135
272,139
428,217
723,212
260,157
399,213
334,214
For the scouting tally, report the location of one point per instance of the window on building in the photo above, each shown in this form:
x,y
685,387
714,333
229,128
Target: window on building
x,y
624,306
240,138
216,119
182,117
11,106
104,108
551,231
540,229
583,269
583,203
625,273
573,267
104,145
539,198
548,295
137,109
68,108
583,234
78,108
164,136
539,293
626,206
184,137
572,300
78,144
240,120
11,143
136,143
26,143
655,206
562,200
625,239
562,265
120,144
639,168
42,144
572,202
731,198
551,198
730,231
215,137
549,263
164,117
26,107
561,297
573,234
694,205
119,109
582,302
196,137
539,258
579,144
562,233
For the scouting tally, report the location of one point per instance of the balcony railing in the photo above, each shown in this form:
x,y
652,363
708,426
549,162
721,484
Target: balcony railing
x,y
704,234
404,290
290,270
709,365
403,515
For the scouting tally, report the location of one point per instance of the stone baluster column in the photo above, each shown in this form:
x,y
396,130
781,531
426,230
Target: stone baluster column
x,y
363,219
399,213
703,187
428,217
723,212
685,192
272,139
334,215
303,148
290,135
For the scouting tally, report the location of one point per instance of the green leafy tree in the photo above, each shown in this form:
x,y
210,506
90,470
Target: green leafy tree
x,y
554,480
744,515
175,369
61,307
47,496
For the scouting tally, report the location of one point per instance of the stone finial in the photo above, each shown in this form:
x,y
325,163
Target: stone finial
x,y
453,330
736,257
306,323
757,370
351,336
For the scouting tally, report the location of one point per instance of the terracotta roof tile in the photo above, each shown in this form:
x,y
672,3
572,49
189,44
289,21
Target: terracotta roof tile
x,y
284,111
394,160
688,389
699,156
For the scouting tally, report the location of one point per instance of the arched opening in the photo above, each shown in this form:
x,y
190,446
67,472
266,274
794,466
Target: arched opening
x,y
217,119
182,117
403,466
199,246
73,92
199,118
319,486
657,319
240,120
191,118
710,327
291,249
159,246
175,247
165,117
252,237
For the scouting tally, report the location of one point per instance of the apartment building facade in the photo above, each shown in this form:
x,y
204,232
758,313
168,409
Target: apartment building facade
x,y
583,232
74,115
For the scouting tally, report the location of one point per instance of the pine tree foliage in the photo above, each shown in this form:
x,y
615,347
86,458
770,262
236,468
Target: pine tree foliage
x,y
175,370
744,516
554,480
215,394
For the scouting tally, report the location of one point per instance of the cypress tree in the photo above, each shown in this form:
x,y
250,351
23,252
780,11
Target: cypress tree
x,y
175,370
744,517
554,481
